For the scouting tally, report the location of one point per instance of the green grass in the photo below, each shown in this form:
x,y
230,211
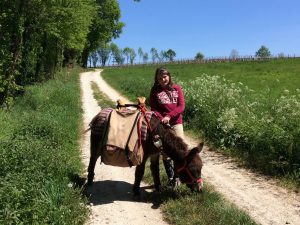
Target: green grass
x,y
249,110
102,99
40,155
182,207
277,75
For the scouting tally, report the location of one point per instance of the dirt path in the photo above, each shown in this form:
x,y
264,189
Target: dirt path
x,y
111,196
111,193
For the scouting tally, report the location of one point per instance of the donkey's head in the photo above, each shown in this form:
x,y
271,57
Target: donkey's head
x,y
189,170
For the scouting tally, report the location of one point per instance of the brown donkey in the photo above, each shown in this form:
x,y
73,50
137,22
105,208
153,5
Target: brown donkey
x,y
187,162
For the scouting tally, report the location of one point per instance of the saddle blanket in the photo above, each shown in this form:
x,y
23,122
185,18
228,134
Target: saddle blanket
x,y
117,133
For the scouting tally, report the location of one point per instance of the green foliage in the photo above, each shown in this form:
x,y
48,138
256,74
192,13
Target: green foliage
x,y
257,127
103,52
251,109
199,56
10,40
170,54
101,98
34,37
117,54
263,52
105,26
37,162
154,54
130,54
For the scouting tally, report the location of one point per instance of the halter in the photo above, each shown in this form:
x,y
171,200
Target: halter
x,y
184,168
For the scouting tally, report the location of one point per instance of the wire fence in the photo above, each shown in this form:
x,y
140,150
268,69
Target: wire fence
x,y
203,61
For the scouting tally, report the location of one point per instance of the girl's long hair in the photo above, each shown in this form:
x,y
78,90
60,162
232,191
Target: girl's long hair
x,y
160,71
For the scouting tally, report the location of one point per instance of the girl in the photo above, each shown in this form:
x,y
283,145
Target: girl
x,y
167,101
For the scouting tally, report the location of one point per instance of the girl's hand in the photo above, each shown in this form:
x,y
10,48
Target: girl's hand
x,y
165,120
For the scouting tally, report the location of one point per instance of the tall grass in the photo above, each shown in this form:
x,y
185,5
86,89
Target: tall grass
x,y
40,155
249,109
263,130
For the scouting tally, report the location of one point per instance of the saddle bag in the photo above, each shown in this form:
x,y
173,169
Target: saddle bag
x,y
121,144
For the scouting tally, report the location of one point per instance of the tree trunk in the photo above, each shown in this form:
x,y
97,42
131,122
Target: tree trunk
x,y
84,58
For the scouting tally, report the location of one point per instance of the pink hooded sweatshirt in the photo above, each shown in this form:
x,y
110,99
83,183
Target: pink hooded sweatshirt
x,y
168,103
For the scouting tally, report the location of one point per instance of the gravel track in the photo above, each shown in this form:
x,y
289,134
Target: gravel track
x,y
111,198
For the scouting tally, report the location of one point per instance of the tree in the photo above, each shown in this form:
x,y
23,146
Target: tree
x,y
263,52
154,54
199,56
103,52
117,54
94,58
170,54
105,26
132,56
35,36
140,53
162,56
126,52
145,57
281,55
234,54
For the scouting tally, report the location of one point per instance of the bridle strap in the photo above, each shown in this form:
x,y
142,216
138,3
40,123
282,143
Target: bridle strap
x,y
192,177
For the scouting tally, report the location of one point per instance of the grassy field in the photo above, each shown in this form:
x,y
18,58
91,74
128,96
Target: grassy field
x,y
247,109
276,75
40,156
182,207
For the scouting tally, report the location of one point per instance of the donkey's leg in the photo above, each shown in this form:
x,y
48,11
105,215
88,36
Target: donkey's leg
x,y
139,173
91,168
94,156
154,166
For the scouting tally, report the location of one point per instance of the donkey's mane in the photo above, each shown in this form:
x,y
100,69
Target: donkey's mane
x,y
174,146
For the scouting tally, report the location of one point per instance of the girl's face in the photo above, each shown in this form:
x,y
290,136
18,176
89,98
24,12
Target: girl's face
x,y
163,79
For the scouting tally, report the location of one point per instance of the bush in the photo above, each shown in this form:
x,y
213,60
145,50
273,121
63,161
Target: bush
x,y
262,129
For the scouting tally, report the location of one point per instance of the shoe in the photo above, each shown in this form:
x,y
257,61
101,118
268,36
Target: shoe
x,y
174,182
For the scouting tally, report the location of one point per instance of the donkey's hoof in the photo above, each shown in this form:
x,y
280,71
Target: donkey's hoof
x,y
90,178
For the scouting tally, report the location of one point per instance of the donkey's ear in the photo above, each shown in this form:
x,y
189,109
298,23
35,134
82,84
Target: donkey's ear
x,y
197,150
200,147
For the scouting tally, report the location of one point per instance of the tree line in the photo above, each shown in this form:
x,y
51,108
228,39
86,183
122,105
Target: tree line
x,y
111,54
38,37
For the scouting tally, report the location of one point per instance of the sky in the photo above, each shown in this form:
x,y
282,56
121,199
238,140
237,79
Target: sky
x,y
212,27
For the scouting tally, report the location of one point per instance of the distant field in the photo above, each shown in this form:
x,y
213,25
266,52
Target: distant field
x,y
277,75
249,109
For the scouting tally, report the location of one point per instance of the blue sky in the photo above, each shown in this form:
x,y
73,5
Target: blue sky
x,y
213,27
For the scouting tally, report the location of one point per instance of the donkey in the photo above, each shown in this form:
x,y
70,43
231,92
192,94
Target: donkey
x,y
187,162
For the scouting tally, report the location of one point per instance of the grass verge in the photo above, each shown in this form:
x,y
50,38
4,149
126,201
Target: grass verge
x,y
40,155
